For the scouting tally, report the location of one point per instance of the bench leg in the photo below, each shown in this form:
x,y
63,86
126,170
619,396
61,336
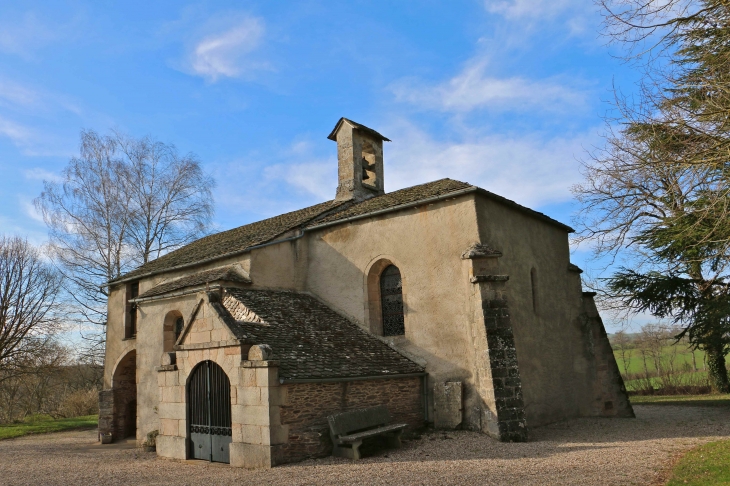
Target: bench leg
x,y
348,452
394,439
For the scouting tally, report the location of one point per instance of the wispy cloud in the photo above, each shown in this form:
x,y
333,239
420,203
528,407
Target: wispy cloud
x,y
574,14
16,94
473,88
39,174
226,53
24,34
16,132
31,211
529,169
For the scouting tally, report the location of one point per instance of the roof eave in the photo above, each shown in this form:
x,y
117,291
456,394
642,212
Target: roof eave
x,y
357,126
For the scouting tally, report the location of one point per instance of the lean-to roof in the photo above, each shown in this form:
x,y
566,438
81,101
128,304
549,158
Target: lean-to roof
x,y
310,340
224,274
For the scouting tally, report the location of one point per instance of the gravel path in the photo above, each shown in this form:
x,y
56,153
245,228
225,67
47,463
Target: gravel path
x,y
584,451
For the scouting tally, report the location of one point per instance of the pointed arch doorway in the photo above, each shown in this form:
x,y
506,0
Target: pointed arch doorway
x,y
209,413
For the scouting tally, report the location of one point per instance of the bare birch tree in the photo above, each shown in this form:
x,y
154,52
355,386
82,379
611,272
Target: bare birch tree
x,y
121,203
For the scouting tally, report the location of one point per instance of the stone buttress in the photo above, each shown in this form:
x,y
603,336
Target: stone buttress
x,y
498,408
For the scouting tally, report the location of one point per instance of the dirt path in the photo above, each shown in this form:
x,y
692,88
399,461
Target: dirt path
x,y
585,451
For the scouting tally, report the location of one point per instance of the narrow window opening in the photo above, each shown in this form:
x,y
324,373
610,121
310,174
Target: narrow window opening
x,y
533,281
179,324
391,298
130,328
172,327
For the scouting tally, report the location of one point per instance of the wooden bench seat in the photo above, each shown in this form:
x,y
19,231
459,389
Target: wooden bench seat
x,y
349,429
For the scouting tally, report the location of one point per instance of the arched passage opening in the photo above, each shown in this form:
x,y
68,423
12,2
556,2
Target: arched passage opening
x,y
171,329
124,386
209,413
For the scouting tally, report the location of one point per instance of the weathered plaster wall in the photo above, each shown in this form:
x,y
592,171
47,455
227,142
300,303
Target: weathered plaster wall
x,y
280,266
549,343
425,243
609,393
149,343
116,345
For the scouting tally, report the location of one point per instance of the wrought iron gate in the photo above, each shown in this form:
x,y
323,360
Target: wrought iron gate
x,y
209,413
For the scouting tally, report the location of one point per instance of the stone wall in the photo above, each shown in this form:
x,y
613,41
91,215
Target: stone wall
x,y
309,404
609,393
509,424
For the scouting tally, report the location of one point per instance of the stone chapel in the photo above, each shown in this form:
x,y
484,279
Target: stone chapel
x,y
452,306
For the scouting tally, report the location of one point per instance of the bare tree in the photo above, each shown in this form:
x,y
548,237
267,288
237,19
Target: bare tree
x,y
625,348
173,203
29,289
659,190
88,216
121,203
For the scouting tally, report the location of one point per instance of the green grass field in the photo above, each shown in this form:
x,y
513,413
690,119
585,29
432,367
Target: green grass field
x,y
687,400
683,357
681,361
708,464
41,424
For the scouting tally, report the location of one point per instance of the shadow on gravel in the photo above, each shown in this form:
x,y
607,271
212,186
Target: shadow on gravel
x,y
683,420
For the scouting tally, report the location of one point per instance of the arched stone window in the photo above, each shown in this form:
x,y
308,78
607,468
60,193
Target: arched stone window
x,y
391,302
171,330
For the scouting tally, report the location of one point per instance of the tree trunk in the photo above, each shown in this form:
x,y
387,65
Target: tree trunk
x,y
717,370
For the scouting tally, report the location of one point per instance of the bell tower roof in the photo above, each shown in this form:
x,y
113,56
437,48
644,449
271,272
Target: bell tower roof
x,y
333,135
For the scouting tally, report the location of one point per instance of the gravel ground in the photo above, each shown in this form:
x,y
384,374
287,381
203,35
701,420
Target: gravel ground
x,y
583,451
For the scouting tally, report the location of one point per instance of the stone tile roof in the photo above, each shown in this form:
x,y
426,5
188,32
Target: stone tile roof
x,y
396,198
239,239
230,241
358,126
309,339
227,274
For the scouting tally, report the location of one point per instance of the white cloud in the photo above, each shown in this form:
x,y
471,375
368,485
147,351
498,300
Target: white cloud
x,y
16,132
474,88
16,94
24,34
225,54
30,210
573,14
533,9
39,174
528,169
318,178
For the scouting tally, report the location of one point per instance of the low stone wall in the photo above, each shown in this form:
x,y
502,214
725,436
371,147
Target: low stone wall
x,y
309,404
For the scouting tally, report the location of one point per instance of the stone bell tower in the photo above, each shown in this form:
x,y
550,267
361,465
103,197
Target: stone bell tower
x,y
360,161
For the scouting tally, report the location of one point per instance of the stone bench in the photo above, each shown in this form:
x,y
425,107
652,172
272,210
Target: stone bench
x,y
349,429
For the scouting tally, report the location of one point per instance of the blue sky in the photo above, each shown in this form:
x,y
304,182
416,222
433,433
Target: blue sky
x,y
504,94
